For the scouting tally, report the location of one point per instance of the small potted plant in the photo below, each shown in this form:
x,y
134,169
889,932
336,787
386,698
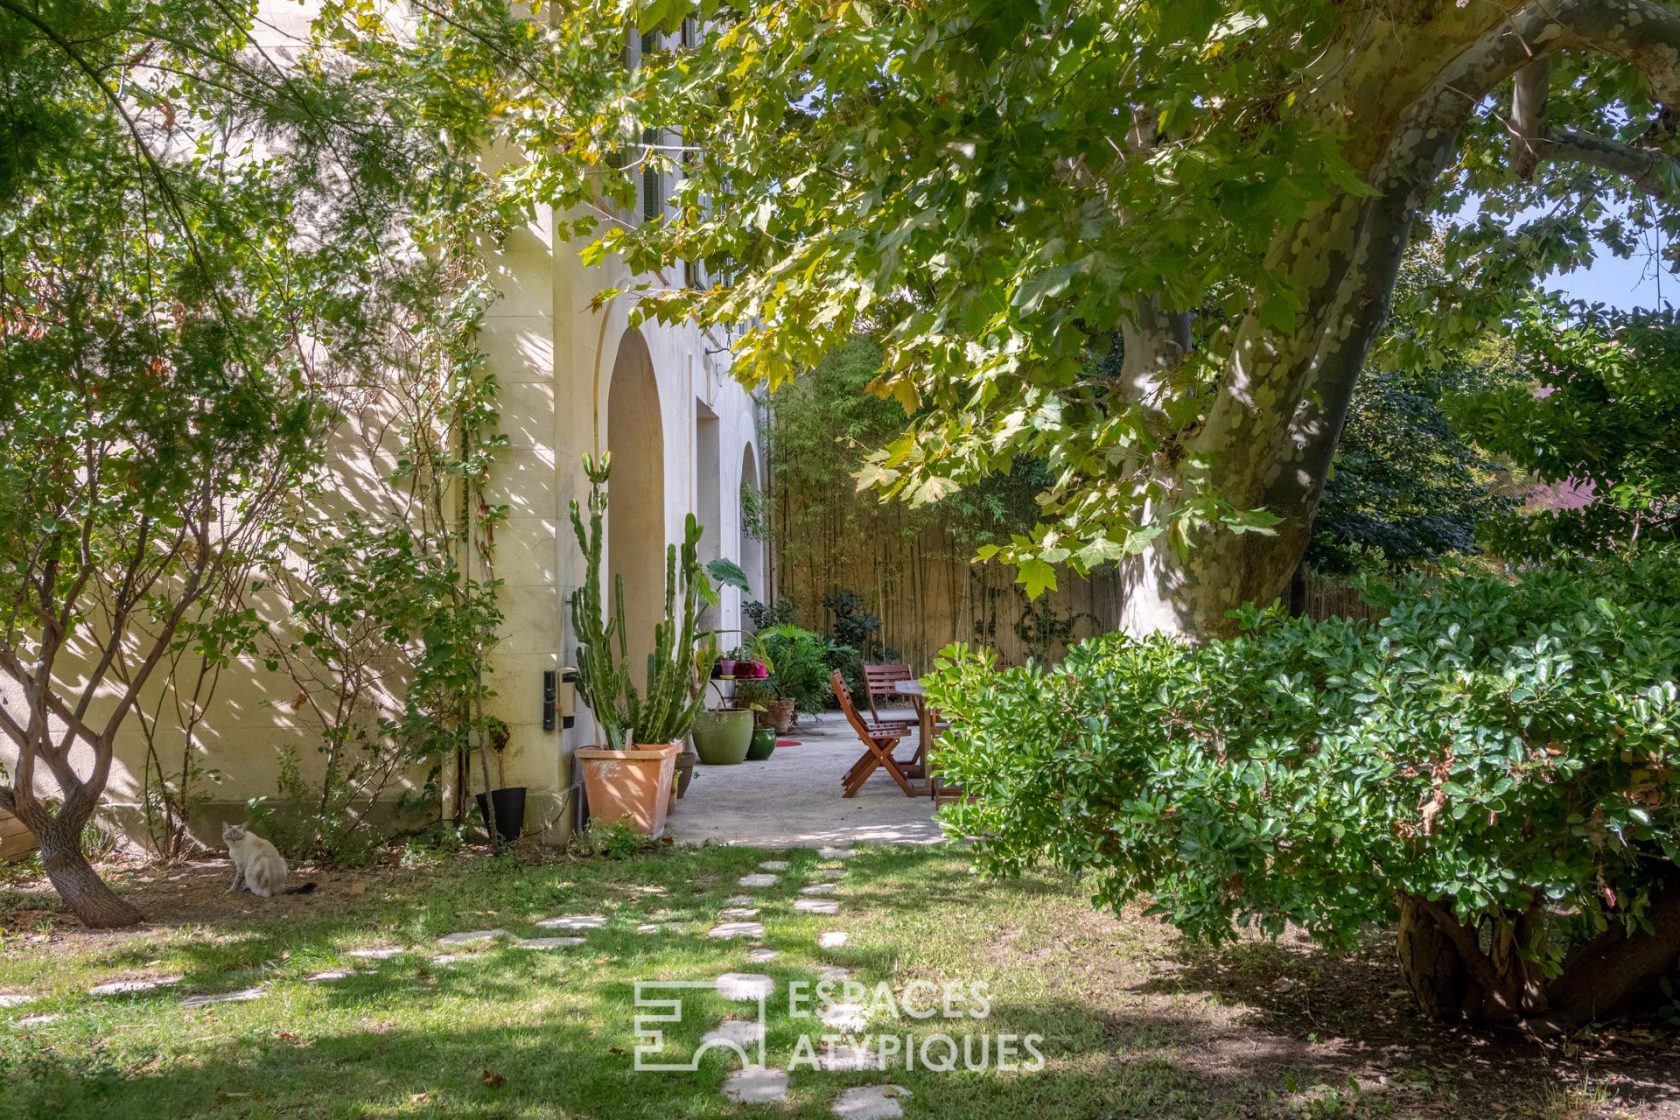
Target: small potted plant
x,y
797,678
631,775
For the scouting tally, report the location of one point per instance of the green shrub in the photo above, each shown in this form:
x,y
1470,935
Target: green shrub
x,y
1498,763
799,666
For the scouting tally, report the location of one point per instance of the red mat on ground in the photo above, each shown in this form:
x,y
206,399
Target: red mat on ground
x,y
787,742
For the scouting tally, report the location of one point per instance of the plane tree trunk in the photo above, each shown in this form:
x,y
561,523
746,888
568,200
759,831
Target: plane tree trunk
x,y
1267,438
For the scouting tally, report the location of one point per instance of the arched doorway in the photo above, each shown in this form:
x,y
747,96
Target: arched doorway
x,y
754,512
636,497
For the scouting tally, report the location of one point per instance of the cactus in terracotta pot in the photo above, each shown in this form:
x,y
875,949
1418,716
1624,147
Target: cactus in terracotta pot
x,y
665,712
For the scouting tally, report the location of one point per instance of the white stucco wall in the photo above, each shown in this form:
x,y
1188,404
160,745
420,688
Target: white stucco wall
x,y
554,358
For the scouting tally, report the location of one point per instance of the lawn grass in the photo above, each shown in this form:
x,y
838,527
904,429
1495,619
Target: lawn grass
x,y
1132,1025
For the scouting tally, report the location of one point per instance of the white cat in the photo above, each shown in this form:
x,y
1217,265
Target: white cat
x,y
257,864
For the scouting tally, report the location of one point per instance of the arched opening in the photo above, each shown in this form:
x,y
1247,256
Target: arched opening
x,y
708,493
636,497
754,514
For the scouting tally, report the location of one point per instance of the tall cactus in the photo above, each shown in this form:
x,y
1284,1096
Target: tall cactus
x,y
675,678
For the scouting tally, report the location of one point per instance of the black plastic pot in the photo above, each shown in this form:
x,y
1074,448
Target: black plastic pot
x,y
510,812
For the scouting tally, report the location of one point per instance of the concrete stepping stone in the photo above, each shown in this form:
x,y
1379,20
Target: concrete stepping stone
x,y
444,960
845,1058
739,900
10,999
649,927
757,1086
38,1020
132,987
730,930
775,865
745,985
740,1032
832,939
575,921
547,942
816,906
333,975
740,912
871,1102
756,881
836,853
244,995
375,954
835,972
850,1018
761,955
471,936
820,888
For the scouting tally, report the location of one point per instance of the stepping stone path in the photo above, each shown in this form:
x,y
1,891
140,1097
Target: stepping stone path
x,y
836,853
575,921
547,942
820,888
745,985
39,1020
650,927
756,881
336,974
761,955
243,996
835,973
871,1102
817,906
846,1058
775,865
849,1018
832,939
737,929
444,960
130,987
472,936
757,1086
740,1032
10,1000
829,872
740,912
375,954
739,900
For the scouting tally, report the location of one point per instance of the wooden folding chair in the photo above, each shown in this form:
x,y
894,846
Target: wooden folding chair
x,y
882,680
878,739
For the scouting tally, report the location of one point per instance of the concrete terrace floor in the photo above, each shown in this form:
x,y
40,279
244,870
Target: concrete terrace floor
x,y
792,799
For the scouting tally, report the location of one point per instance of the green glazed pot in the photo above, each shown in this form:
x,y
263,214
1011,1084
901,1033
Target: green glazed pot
x,y
763,744
722,738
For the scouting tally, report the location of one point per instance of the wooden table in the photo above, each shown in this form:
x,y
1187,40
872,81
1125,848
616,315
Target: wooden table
x,y
927,727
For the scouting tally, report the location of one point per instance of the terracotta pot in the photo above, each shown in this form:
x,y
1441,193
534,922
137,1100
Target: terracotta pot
x,y
633,785
780,715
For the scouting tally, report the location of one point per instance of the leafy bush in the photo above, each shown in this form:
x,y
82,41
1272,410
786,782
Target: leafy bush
x,y
799,667
1497,763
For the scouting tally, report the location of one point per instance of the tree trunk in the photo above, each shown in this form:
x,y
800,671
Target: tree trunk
x,y
1434,972
1605,977
88,896
1451,977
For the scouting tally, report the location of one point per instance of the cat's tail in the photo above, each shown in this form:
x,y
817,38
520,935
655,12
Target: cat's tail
x,y
301,888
